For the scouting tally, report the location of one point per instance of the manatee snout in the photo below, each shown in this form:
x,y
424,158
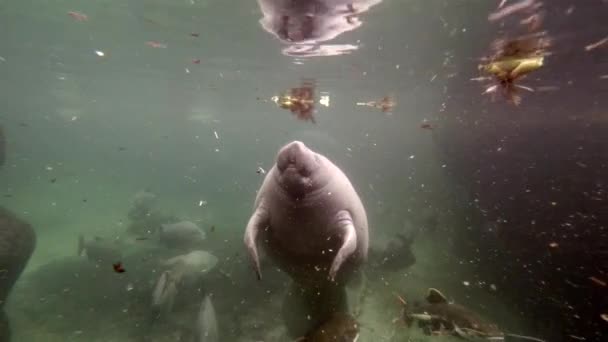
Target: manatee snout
x,y
297,156
296,164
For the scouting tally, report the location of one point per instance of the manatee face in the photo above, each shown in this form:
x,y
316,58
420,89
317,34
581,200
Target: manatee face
x,y
308,21
292,21
299,169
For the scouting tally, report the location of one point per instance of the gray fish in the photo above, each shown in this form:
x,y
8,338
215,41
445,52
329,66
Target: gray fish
x,y
181,235
164,293
206,323
99,250
440,317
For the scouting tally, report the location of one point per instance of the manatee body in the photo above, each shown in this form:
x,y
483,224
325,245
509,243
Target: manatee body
x,y
310,221
17,243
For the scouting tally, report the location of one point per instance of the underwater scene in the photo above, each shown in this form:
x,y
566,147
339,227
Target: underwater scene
x,y
303,170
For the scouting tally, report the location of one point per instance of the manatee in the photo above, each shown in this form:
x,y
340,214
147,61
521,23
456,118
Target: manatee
x,y
17,243
310,221
311,21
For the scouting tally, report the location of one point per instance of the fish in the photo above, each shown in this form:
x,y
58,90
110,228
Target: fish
x,y
206,322
440,317
98,250
195,263
164,293
182,235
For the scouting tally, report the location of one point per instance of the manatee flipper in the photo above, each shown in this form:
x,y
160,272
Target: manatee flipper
x,y
348,234
258,221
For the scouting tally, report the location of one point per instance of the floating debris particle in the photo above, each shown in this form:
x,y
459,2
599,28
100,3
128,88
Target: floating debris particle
x,y
300,101
324,100
553,245
598,281
503,12
78,16
426,125
386,104
260,171
118,268
100,53
196,61
597,44
156,45
216,135
547,88
604,317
